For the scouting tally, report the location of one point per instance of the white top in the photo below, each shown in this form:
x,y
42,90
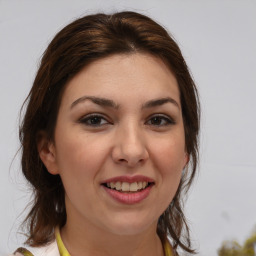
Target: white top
x,y
48,250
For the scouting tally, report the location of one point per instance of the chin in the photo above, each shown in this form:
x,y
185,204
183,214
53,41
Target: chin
x,y
129,226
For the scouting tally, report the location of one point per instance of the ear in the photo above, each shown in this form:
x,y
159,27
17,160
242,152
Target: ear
x,y
47,152
186,159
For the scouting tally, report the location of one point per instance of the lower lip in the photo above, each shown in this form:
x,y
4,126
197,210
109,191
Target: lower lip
x,y
128,198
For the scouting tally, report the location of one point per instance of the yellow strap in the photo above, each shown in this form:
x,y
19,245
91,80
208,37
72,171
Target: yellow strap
x,y
167,248
24,251
62,249
64,252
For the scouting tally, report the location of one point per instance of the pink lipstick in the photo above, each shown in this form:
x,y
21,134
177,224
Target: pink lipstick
x,y
128,189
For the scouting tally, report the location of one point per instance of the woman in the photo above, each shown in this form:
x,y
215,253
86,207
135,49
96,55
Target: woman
x,y
109,141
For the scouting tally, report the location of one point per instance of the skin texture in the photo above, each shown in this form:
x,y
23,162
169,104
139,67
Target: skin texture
x,y
125,140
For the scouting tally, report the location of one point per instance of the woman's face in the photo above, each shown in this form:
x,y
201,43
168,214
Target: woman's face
x,y
119,144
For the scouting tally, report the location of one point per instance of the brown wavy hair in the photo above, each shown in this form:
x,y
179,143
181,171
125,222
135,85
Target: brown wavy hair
x,y
83,41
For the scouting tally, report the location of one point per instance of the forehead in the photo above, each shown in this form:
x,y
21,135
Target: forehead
x,y
126,76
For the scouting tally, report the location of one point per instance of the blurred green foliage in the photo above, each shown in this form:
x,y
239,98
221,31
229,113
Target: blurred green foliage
x,y
233,248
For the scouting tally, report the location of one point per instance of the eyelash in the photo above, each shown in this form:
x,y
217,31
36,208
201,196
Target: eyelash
x,y
97,117
167,120
88,118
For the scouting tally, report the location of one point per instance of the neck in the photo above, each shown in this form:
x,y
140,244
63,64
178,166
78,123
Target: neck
x,y
87,240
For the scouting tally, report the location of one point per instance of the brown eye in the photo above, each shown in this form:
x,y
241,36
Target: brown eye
x,y
160,120
94,120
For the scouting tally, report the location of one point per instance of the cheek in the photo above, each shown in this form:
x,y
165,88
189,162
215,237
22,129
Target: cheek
x,y
78,165
169,158
169,154
80,155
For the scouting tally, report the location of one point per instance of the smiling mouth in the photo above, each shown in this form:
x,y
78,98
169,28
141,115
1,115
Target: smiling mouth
x,y
127,187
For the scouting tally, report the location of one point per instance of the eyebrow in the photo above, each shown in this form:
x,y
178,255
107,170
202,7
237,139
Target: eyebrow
x,y
110,103
99,101
159,102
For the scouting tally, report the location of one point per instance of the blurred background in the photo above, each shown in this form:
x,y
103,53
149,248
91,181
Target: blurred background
x,y
218,41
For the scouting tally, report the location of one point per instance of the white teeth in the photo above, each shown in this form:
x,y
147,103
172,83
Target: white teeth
x,y
134,186
127,187
118,185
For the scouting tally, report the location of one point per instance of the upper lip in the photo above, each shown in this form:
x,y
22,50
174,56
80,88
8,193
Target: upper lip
x,y
129,179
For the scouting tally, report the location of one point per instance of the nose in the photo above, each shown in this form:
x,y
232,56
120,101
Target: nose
x,y
130,147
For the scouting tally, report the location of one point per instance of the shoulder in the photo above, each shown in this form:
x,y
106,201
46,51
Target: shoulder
x,y
47,250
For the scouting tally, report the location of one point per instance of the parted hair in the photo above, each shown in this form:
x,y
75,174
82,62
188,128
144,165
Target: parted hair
x,y
83,41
